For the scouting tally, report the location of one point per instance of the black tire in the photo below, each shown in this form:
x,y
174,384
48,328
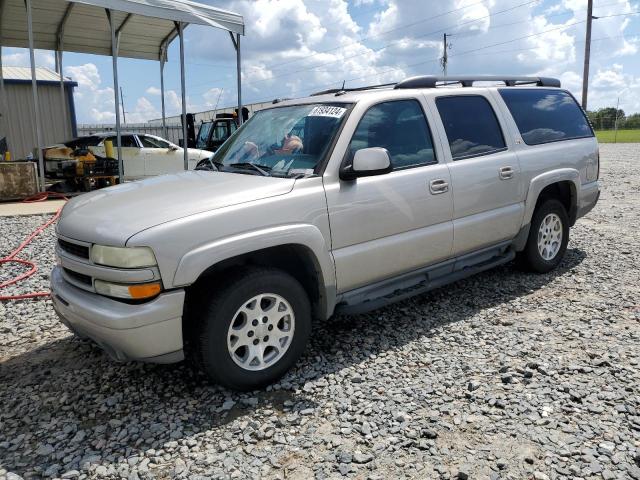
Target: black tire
x,y
530,258
215,315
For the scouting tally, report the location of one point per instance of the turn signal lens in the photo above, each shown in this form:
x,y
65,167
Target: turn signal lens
x,y
139,291
145,290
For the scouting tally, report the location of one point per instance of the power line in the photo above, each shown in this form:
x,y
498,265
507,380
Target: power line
x,y
383,47
467,52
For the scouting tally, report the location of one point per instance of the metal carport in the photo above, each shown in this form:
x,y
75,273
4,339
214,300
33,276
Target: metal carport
x,y
140,29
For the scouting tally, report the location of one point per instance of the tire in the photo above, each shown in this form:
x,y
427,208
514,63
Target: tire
x,y
226,329
544,250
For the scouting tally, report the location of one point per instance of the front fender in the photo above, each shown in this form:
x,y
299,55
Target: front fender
x,y
542,181
195,262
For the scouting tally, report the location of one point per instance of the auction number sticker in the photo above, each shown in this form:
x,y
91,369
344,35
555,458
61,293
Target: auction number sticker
x,y
327,111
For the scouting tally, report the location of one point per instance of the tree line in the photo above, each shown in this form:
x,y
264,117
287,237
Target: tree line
x,y
605,119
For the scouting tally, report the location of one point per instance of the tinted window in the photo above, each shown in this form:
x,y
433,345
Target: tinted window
x,y
546,115
126,141
401,128
471,126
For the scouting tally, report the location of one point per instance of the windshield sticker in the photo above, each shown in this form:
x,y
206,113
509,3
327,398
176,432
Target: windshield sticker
x,y
327,111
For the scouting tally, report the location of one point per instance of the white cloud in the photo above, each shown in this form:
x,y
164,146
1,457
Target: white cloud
x,y
19,57
153,91
93,101
143,111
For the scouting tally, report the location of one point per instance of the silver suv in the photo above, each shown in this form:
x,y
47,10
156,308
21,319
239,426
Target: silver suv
x,y
341,202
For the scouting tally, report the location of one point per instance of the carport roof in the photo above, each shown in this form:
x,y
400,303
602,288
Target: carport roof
x,y
145,26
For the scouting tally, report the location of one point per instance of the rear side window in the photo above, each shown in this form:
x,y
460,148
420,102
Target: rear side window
x,y
399,126
471,126
544,116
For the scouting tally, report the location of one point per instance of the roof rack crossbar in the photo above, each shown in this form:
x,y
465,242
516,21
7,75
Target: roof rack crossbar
x,y
431,81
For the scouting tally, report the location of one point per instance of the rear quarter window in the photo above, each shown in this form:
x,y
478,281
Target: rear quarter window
x,y
544,116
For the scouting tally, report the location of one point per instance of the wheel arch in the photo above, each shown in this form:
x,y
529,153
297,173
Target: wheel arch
x,y
299,250
562,184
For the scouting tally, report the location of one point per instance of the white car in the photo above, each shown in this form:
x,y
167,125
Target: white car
x,y
143,155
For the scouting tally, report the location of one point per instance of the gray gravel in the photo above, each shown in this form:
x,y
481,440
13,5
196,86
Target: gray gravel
x,y
504,375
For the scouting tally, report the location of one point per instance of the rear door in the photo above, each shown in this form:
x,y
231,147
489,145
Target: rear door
x,y
391,224
488,194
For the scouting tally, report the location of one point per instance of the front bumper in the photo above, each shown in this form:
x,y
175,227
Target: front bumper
x,y
150,332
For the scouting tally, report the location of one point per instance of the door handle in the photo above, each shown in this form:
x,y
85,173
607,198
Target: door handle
x,y
506,173
438,186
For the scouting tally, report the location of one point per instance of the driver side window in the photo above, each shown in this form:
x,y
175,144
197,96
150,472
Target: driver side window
x,y
150,142
399,126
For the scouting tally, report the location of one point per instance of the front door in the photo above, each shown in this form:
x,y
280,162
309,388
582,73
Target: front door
x,y
390,224
132,159
160,157
485,173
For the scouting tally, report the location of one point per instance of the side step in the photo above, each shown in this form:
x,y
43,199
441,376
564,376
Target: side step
x,y
395,290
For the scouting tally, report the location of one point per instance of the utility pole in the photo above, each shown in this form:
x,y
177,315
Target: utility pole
x,y
124,114
587,54
445,57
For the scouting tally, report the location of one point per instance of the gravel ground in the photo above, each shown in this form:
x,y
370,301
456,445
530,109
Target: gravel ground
x,y
504,375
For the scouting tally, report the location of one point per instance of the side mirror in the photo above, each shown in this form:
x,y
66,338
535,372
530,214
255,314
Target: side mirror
x,y
172,148
367,162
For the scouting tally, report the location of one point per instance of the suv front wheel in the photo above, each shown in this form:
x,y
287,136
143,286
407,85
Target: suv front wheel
x,y
548,238
254,329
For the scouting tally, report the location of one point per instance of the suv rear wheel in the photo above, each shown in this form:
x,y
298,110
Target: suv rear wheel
x,y
254,329
548,238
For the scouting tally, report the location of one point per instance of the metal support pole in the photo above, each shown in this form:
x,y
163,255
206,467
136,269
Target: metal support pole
x,y
34,89
239,75
58,57
3,102
63,96
184,97
164,115
4,125
114,57
587,54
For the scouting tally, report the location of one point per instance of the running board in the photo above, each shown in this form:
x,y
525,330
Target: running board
x,y
415,283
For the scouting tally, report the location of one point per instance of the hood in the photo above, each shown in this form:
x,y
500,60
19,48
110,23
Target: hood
x,y
112,215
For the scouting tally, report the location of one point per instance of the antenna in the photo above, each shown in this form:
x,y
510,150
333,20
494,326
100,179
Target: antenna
x,y
343,82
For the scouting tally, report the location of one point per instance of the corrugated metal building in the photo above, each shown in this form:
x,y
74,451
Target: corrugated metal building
x,y
17,123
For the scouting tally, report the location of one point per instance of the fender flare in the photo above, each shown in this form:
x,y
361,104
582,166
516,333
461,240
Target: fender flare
x,y
195,262
542,181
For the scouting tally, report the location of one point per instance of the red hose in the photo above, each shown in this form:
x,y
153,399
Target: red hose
x,y
11,258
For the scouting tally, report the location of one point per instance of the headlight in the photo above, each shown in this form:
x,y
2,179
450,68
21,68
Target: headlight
x,y
123,257
139,291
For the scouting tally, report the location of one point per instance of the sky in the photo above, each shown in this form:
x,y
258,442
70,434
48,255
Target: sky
x,y
295,47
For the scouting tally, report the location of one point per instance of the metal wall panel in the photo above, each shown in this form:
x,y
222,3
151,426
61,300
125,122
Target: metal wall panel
x,y
56,126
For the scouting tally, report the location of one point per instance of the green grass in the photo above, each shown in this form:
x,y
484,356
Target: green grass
x,y
624,136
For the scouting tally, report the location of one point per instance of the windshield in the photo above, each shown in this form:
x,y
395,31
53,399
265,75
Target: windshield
x,y
203,135
283,141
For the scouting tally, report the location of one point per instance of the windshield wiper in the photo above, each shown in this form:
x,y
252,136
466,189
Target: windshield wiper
x,y
202,165
262,169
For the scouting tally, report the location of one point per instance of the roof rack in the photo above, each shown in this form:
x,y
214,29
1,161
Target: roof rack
x,y
342,91
431,81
